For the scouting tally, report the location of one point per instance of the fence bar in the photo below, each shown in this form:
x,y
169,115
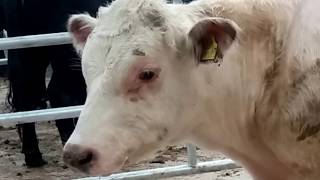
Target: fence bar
x,y
3,61
35,41
182,170
41,115
192,155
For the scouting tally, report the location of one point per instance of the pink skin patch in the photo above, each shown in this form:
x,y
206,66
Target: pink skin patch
x,y
142,75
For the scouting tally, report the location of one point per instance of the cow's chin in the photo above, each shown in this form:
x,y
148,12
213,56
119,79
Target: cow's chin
x,y
107,166
113,163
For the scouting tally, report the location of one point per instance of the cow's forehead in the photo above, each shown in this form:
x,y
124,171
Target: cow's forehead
x,y
127,28
104,52
124,15
136,42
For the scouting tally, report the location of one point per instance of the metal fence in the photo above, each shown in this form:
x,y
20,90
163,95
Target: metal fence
x,y
71,112
4,61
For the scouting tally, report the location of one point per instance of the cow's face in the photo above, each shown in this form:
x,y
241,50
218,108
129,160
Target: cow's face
x,y
141,77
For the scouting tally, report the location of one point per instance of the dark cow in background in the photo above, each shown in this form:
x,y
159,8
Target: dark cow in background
x,y
27,67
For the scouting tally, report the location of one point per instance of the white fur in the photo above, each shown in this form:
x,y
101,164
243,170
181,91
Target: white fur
x,y
227,108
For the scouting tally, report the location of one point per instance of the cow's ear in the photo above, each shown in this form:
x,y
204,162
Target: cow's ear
x,y
80,26
212,37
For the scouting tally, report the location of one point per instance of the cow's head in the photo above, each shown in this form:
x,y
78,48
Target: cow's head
x,y
140,64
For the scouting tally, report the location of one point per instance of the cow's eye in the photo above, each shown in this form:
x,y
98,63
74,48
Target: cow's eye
x,y
147,75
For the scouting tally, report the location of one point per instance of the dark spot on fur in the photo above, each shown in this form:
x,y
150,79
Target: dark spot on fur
x,y
133,91
271,74
316,68
308,131
163,133
303,75
298,81
302,170
309,142
129,151
318,62
310,121
155,18
307,123
138,52
134,99
159,138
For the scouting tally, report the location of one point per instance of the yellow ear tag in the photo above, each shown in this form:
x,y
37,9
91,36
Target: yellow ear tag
x,y
211,53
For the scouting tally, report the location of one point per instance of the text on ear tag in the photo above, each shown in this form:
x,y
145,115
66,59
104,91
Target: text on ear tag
x,y
211,53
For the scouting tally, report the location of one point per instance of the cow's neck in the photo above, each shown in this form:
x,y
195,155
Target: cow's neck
x,y
230,120
240,86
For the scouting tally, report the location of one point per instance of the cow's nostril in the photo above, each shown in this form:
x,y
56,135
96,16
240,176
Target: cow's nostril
x,y
86,158
78,157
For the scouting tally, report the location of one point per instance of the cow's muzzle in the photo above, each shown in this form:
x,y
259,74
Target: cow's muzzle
x,y
79,157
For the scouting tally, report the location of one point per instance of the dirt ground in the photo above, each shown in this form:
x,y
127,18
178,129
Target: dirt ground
x,y
12,165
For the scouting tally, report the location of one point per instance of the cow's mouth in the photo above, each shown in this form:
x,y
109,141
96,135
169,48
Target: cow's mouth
x,y
103,169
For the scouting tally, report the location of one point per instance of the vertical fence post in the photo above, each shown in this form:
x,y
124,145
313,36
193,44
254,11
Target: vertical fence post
x,y
5,36
192,155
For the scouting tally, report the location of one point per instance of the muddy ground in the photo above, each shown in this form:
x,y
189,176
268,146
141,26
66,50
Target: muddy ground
x,y
12,165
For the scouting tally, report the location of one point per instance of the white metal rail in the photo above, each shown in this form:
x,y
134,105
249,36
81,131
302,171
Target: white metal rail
x,y
41,115
71,112
3,61
34,41
182,170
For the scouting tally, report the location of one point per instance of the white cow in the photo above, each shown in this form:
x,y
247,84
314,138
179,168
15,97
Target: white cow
x,y
238,76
